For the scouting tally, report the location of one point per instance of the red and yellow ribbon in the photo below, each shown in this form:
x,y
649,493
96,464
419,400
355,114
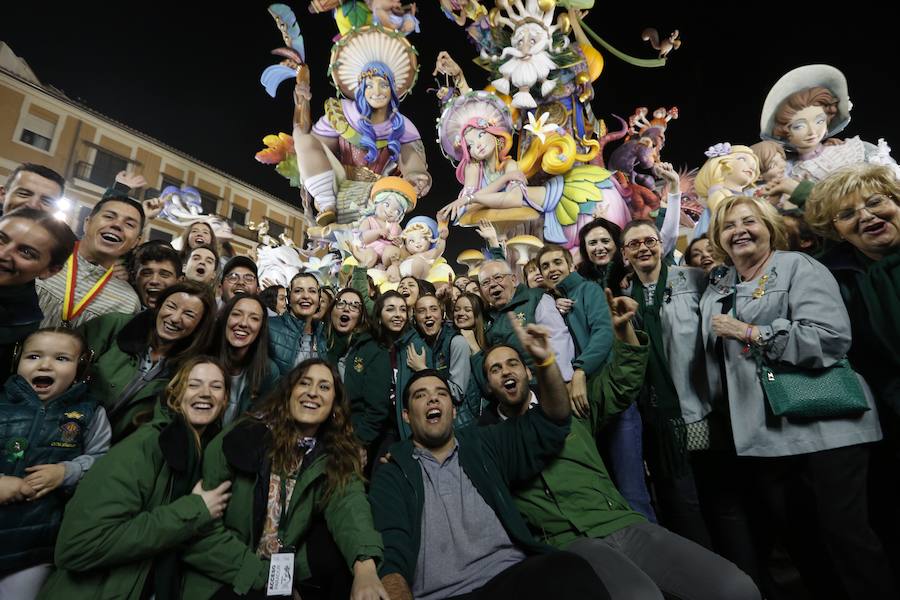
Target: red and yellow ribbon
x,y
70,308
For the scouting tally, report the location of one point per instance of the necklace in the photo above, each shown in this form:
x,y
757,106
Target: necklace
x,y
758,269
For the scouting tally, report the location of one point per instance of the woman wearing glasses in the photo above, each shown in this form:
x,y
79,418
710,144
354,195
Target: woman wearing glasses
x,y
343,327
807,479
674,400
242,344
859,206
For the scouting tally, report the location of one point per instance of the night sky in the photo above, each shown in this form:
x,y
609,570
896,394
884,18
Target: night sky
x,y
190,77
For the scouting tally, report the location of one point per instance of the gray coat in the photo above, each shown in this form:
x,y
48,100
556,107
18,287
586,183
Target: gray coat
x,y
682,340
803,322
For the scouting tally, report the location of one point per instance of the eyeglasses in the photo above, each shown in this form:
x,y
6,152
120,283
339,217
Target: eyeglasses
x,y
351,306
650,242
498,279
235,277
872,204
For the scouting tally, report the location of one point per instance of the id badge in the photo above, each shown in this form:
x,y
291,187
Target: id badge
x,y
281,574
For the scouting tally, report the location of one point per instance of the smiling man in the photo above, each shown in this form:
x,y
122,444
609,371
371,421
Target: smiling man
x,y
157,266
32,185
504,294
294,336
443,507
111,230
238,277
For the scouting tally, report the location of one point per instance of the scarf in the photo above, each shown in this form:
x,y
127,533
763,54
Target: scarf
x,y
661,404
879,287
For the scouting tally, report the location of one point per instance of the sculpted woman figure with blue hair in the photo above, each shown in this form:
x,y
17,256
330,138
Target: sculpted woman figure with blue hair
x,y
362,136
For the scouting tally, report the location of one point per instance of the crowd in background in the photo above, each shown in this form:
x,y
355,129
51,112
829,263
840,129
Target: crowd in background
x,y
604,424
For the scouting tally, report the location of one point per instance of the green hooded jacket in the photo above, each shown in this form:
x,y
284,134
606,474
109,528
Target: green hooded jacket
x,y
226,555
123,516
588,322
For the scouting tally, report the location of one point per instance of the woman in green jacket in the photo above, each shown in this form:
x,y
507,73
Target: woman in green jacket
x,y
122,529
135,355
295,463
241,342
344,324
376,371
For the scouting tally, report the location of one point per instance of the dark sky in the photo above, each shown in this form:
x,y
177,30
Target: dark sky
x,y
189,75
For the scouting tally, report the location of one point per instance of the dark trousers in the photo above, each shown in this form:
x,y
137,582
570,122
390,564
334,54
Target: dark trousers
x,y
558,575
816,504
330,579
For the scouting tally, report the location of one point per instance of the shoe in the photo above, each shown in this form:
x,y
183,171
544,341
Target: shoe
x,y
326,217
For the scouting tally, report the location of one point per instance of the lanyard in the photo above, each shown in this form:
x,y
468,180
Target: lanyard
x,y
282,519
70,308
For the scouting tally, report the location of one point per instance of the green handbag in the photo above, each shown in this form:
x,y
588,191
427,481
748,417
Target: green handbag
x,y
809,394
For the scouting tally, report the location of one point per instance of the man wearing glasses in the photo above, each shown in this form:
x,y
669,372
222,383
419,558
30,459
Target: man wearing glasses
x,y
238,277
504,294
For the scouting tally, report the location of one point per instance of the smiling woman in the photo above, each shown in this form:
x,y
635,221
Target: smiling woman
x,y
136,355
296,468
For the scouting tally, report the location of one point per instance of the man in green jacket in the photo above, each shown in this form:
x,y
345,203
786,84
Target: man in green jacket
x,y
573,505
443,506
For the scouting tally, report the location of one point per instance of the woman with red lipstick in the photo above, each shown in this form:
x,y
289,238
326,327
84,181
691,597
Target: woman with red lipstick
x,y
785,307
241,341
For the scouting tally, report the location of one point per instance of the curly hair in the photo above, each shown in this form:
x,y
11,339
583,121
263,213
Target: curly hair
x,y
335,434
790,106
826,197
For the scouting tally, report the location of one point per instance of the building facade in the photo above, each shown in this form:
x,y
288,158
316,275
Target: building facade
x,y
40,124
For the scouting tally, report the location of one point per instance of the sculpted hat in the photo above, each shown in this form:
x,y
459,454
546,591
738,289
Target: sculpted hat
x,y
802,78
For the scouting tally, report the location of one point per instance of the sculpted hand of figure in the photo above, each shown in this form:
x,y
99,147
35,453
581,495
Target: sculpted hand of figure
x,y
445,65
302,92
43,479
216,499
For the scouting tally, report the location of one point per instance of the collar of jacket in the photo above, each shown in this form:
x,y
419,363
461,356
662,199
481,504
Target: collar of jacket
x,y
843,257
522,295
245,445
19,304
18,390
570,282
176,440
132,339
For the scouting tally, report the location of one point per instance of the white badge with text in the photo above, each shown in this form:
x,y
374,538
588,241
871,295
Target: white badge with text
x,y
281,575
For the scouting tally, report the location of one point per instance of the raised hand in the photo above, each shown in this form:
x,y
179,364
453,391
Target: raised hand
x,y
667,172
132,180
152,207
622,310
215,499
488,233
535,339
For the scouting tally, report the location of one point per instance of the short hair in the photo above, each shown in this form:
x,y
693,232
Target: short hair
x,y
85,354
553,248
488,351
306,274
766,213
62,236
206,247
825,198
638,223
39,170
270,296
505,268
240,261
155,251
113,195
420,375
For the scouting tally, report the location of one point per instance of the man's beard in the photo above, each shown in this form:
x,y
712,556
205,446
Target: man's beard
x,y
525,72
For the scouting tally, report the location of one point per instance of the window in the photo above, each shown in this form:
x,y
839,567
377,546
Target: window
x,y
239,216
37,132
210,203
105,168
275,229
150,193
159,234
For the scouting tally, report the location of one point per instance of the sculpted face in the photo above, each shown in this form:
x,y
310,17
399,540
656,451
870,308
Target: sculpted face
x,y
378,92
807,129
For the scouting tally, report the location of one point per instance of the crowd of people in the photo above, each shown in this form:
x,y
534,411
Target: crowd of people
x,y
613,422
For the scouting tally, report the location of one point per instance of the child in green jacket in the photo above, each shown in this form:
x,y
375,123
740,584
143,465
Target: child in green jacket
x,y
51,432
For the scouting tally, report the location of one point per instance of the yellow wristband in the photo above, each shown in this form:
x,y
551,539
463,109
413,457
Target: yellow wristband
x,y
550,360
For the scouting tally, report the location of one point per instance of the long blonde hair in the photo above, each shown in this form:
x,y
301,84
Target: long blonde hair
x,y
711,177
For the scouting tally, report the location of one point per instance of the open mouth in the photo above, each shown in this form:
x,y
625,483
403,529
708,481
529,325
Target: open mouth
x,y
240,334
510,384
405,293
199,240
42,383
741,241
429,323
201,405
433,416
706,262
171,327
644,256
397,322
495,293
344,319
201,271
309,405
111,238
875,228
